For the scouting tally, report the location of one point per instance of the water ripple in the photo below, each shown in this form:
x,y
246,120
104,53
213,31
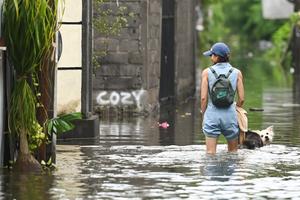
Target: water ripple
x,y
177,172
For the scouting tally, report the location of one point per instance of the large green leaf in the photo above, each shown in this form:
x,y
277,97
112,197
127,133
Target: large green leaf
x,y
62,123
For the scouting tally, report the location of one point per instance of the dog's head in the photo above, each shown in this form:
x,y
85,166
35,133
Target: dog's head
x,y
267,135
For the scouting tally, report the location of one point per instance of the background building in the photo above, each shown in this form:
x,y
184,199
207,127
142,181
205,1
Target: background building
x,y
151,61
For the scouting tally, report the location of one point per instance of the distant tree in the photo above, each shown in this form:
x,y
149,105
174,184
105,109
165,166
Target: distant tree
x,y
239,22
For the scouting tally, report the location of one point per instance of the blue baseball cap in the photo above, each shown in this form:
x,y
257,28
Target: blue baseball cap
x,y
220,49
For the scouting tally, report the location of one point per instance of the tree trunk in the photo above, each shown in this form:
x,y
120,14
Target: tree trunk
x,y
25,161
24,143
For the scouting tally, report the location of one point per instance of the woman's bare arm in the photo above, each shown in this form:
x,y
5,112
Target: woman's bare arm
x,y
240,90
204,90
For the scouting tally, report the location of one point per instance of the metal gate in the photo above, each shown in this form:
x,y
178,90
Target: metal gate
x,y
167,69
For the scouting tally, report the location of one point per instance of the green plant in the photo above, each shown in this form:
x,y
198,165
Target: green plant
x,y
108,21
62,123
243,28
110,18
49,165
58,125
37,137
280,52
29,30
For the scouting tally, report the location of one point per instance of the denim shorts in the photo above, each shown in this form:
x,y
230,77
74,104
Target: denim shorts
x,y
229,137
216,122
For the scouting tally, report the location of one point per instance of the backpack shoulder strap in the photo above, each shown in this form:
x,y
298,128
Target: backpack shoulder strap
x,y
229,72
214,72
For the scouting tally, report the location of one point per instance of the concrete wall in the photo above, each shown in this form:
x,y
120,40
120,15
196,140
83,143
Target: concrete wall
x,y
123,79
185,46
129,76
69,81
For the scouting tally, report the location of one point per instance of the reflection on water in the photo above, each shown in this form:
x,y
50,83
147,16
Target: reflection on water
x,y
283,114
25,186
136,159
183,130
184,172
220,167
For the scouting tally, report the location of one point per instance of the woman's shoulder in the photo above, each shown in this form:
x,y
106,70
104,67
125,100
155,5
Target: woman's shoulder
x,y
236,70
205,71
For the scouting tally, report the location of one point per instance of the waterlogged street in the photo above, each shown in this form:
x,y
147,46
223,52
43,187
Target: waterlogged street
x,y
135,159
175,172
127,55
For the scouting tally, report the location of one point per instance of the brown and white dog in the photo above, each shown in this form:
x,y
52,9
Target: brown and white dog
x,y
252,139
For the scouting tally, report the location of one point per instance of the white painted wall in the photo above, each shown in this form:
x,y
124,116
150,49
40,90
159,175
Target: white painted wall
x,y
68,91
71,34
69,82
72,11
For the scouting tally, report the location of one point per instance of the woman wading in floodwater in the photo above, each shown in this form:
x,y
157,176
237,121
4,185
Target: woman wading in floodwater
x,y
217,106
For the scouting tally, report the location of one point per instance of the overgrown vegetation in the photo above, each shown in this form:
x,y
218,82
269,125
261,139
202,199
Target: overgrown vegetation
x,y
29,32
29,29
240,24
108,21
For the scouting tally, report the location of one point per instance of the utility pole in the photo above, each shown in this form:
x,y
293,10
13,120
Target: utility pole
x,y
296,54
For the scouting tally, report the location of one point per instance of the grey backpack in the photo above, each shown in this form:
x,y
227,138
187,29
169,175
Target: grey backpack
x,y
222,93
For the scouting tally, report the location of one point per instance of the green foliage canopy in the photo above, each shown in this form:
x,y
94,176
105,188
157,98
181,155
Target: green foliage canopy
x,y
240,24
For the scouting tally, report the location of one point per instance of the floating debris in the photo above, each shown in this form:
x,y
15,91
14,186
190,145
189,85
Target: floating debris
x,y
256,109
164,125
290,105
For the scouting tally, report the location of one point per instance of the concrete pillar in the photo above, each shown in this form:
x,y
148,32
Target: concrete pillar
x,y
88,127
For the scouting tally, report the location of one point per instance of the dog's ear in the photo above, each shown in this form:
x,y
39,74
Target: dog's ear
x,y
270,128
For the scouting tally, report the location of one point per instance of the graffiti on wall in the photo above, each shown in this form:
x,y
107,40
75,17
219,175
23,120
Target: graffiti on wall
x,y
114,98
